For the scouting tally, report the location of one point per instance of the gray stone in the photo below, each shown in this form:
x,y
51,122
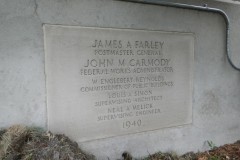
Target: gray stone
x,y
105,82
216,85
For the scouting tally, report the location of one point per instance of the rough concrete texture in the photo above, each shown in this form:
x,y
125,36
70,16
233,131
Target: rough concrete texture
x,y
230,1
216,102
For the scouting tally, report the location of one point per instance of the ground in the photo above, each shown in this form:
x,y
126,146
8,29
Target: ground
x,y
29,143
225,152
23,143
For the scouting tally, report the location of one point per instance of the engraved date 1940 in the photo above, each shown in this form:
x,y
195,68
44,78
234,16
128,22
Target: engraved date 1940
x,y
132,123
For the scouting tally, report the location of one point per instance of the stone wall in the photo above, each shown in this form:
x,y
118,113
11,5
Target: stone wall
x,y
216,102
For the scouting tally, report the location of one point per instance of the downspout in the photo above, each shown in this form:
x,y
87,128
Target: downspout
x,y
198,8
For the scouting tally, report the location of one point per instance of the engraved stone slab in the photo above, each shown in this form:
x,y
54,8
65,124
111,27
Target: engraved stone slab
x,y
104,82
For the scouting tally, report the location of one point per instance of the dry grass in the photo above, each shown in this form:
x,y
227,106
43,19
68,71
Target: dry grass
x,y
225,152
22,143
170,156
12,140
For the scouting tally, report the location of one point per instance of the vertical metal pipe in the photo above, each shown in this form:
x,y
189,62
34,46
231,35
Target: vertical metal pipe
x,y
198,8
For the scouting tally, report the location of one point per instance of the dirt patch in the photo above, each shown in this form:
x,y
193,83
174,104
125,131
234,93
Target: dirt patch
x,y
225,152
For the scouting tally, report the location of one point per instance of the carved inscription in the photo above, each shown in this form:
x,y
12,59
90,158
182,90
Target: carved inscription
x,y
129,93
108,82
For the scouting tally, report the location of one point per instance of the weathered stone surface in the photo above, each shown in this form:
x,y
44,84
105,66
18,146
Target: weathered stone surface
x,y
216,93
105,82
